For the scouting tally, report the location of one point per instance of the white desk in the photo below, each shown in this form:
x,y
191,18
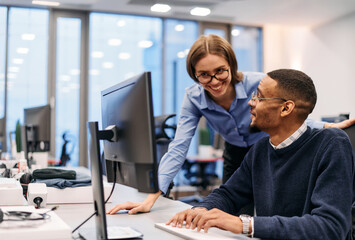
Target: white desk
x,y
162,211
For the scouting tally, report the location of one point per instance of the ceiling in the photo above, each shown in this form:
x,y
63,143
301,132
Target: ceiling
x,y
249,12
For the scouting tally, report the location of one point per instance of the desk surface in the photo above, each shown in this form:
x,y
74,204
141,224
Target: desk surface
x,y
162,211
74,214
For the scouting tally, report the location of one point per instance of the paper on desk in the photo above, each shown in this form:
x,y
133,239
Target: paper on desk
x,y
116,232
213,233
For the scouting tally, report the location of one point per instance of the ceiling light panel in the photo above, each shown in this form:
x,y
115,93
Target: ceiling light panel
x,y
162,8
199,11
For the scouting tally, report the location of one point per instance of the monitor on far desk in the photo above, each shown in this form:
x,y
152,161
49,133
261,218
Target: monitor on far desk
x,y
35,133
129,146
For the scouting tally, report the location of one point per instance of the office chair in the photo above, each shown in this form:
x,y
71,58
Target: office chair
x,y
164,134
351,133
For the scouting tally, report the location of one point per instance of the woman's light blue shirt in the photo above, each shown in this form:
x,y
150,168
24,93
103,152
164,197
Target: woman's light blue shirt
x,y
232,125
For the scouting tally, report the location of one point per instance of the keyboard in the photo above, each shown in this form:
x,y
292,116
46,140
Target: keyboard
x,y
213,233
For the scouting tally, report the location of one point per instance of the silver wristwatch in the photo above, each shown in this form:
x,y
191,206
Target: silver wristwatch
x,y
245,221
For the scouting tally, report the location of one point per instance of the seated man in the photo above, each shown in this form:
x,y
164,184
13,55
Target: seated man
x,y
301,180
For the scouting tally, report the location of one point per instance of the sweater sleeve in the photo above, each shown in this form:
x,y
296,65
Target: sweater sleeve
x,y
331,200
235,193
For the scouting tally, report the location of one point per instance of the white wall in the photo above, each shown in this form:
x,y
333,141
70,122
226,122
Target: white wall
x,y
326,53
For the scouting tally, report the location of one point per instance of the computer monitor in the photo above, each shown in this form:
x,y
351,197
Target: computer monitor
x,y
129,146
35,132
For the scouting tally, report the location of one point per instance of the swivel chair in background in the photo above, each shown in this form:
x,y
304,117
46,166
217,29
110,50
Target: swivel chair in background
x,y
164,134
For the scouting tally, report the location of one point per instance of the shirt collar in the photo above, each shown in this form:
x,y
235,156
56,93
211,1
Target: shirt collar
x,y
291,139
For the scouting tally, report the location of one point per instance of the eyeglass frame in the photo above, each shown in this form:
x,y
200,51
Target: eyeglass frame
x,y
213,76
254,98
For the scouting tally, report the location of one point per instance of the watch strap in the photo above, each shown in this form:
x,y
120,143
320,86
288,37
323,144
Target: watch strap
x,y
245,221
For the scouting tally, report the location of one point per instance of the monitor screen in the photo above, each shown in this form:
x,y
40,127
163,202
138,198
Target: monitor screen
x,y
37,125
129,144
129,107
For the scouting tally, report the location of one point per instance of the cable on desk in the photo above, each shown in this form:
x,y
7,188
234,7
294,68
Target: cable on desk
x,y
113,187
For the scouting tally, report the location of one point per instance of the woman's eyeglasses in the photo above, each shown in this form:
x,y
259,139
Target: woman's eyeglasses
x,y
220,75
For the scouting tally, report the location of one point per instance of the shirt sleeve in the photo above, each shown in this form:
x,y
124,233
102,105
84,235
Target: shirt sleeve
x,y
315,124
172,161
331,200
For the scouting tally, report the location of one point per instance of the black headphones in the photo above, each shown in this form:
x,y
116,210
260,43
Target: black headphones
x,y
24,216
7,172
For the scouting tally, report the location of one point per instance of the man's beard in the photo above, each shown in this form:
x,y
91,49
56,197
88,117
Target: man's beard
x,y
254,129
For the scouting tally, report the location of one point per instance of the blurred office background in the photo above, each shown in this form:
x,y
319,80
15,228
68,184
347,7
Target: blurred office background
x,y
65,55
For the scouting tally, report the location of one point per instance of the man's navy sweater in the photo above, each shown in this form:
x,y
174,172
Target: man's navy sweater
x,y
303,191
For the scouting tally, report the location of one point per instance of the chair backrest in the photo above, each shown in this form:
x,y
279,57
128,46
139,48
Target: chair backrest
x,y
351,133
161,126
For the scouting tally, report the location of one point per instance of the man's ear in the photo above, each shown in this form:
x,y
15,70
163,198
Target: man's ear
x,y
287,108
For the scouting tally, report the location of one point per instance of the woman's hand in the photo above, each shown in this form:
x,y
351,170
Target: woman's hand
x,y
342,124
136,207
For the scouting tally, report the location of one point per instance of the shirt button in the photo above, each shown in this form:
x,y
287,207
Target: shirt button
x,y
236,129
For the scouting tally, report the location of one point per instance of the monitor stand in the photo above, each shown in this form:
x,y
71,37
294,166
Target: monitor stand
x,y
97,183
101,230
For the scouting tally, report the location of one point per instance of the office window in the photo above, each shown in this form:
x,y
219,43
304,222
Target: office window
x,y
68,86
27,62
247,44
3,18
179,36
120,47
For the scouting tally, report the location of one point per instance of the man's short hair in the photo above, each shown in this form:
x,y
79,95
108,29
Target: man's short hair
x,y
296,86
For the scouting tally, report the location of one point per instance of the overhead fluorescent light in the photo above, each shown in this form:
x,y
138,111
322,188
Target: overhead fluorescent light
x,y
94,72
181,54
28,36
46,3
114,42
235,32
145,44
160,8
97,54
199,11
22,50
18,60
121,23
14,69
124,56
179,28
107,65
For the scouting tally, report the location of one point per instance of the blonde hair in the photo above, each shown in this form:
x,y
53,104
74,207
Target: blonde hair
x,y
215,45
